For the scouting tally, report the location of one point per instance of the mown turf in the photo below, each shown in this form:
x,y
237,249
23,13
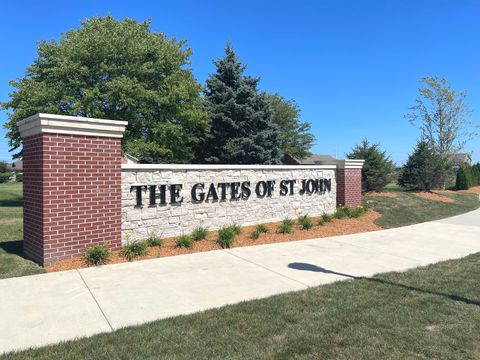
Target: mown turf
x,y
407,208
11,234
427,313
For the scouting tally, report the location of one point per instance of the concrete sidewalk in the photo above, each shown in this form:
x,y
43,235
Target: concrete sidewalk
x,y
49,308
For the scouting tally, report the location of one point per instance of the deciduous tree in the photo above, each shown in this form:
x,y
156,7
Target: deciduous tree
x,y
118,70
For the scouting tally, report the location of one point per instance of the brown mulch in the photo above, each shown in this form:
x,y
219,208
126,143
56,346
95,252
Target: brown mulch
x,y
433,196
381,193
472,190
336,227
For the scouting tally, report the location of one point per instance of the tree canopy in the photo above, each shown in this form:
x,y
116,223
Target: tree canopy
x,y
242,131
296,136
118,70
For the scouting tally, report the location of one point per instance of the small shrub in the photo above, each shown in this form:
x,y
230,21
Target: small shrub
x,y
134,250
327,218
97,255
5,177
305,222
184,241
261,228
236,229
226,235
320,222
19,178
342,212
154,240
356,212
254,235
286,227
199,233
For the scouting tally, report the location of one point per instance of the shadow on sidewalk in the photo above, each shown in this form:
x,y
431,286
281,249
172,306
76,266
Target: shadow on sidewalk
x,y
315,268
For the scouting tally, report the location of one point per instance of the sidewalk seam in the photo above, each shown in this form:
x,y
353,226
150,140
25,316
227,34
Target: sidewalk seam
x,y
96,302
265,268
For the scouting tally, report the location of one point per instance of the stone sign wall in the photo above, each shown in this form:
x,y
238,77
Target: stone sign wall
x,y
171,200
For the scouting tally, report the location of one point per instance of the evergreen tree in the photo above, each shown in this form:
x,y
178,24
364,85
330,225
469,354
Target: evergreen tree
x,y
424,170
241,128
119,70
377,170
297,138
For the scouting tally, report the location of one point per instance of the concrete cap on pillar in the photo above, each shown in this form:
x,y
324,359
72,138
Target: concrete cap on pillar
x,y
70,125
350,164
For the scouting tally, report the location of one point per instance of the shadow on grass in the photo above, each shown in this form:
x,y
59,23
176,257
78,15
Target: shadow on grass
x,y
11,202
12,247
315,268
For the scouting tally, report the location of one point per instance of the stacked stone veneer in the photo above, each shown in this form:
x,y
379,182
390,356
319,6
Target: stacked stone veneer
x,y
177,219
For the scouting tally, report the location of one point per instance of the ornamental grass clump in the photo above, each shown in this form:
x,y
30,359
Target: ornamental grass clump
x,y
327,218
199,233
154,240
286,227
259,230
226,236
305,222
342,212
184,241
134,249
97,255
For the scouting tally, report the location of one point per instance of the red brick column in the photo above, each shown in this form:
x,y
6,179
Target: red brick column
x,y
349,182
72,185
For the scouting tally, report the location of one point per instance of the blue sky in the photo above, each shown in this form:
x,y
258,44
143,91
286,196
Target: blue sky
x,y
352,66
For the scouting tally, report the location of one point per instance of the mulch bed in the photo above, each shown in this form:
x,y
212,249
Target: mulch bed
x,y
382,194
336,227
472,190
433,196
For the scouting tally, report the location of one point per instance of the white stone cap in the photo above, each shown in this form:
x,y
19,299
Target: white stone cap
x,y
350,164
70,125
154,167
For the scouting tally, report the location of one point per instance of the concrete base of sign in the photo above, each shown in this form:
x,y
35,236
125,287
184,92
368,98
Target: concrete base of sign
x,y
49,308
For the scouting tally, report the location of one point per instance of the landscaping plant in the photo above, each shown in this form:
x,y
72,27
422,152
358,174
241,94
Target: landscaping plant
x,y
134,250
184,241
226,236
258,231
286,227
154,240
199,233
305,222
97,255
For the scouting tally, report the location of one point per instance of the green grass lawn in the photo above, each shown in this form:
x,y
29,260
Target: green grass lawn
x,y
11,234
408,209
431,312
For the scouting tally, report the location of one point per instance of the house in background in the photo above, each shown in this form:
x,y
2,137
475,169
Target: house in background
x,y
129,159
459,159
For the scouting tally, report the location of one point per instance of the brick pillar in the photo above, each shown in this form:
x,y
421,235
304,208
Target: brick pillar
x,y
71,185
349,182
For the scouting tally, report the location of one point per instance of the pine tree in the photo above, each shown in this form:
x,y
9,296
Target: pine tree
x,y
424,168
242,131
378,169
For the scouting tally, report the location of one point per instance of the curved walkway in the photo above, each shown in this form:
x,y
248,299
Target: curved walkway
x,y
48,308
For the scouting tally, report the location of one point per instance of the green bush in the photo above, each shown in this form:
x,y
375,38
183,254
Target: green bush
x,y
327,218
97,255
155,240
342,212
305,222
425,169
286,227
320,222
236,229
378,170
468,176
199,233
184,241
226,236
19,178
260,229
5,177
134,250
